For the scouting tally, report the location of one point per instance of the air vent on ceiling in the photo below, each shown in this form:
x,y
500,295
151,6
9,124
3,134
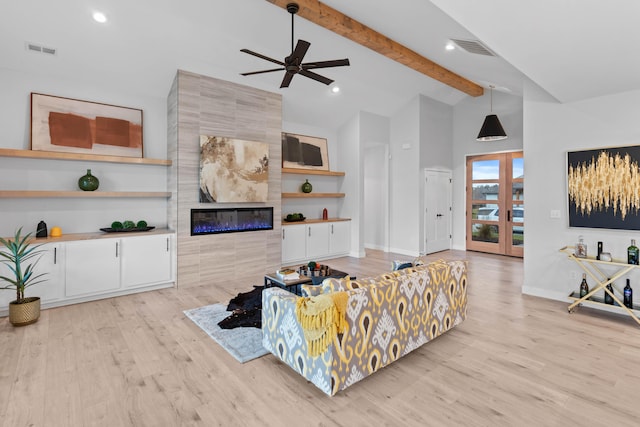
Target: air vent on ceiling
x,y
32,47
474,46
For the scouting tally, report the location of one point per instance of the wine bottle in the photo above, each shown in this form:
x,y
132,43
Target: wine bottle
x,y
608,299
628,295
632,253
584,288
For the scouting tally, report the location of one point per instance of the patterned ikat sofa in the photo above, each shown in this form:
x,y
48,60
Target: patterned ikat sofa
x,y
387,317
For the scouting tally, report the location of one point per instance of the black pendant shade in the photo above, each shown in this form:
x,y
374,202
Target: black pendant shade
x,y
491,129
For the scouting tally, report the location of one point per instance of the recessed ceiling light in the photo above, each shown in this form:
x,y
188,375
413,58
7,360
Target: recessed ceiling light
x,y
335,89
450,46
99,17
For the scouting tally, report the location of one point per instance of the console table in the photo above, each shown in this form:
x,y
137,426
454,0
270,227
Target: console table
x,y
592,267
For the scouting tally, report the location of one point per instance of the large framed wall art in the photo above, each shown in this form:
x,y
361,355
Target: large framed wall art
x,y
304,152
604,188
233,170
74,126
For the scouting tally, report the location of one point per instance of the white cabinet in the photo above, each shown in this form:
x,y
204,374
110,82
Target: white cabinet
x,y
145,260
92,266
293,243
51,289
95,266
52,262
339,238
315,241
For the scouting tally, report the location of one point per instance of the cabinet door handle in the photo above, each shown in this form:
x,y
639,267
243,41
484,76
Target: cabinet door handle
x,y
167,244
116,249
55,256
309,231
331,228
283,234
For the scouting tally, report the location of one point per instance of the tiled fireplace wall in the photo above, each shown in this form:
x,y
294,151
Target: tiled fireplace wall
x,y
200,105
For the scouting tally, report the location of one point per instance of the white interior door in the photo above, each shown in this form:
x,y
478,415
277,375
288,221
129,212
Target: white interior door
x,y
437,212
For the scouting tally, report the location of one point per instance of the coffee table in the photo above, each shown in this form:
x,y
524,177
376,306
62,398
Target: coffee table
x,y
293,286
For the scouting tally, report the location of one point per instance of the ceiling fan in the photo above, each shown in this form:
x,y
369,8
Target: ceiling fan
x,y
293,63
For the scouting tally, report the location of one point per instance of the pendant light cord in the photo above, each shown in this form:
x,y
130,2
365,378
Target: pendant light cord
x,y
292,15
491,97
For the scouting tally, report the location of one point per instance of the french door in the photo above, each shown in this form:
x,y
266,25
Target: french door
x,y
495,203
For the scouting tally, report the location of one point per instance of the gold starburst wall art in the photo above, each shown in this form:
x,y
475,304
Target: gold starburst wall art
x,y
604,188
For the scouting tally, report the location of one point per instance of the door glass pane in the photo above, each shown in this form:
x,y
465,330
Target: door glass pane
x,y
517,191
486,212
485,192
484,233
517,218
518,168
486,169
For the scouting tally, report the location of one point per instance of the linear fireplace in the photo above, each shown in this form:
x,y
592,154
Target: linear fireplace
x,y
230,220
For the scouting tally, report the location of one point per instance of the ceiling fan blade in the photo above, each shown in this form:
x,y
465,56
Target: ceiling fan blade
x,y
326,64
287,79
260,72
299,52
317,77
266,58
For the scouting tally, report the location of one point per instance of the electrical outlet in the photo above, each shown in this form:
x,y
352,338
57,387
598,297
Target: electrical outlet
x,y
554,214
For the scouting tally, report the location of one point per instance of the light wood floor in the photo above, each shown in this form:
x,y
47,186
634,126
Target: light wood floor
x,y
138,361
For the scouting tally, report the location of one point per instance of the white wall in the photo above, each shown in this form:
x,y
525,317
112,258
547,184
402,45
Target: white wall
x,y
374,133
77,215
550,130
352,184
468,116
404,218
436,134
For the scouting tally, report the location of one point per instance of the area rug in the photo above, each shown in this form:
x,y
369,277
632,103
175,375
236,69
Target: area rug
x,y
244,344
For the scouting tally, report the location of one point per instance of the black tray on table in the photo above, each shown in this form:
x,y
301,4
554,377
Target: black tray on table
x,y
125,230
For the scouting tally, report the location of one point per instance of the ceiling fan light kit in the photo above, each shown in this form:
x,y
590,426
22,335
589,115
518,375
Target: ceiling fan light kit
x,y
293,64
491,129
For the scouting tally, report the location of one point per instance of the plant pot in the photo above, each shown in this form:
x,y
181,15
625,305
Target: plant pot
x,y
26,313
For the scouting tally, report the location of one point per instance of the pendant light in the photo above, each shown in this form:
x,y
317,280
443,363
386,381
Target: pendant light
x,y
491,129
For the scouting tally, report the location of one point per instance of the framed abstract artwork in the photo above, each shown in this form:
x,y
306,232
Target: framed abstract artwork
x,y
304,152
604,188
74,126
233,170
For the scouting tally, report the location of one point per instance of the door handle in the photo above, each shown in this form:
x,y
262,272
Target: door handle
x,y
508,216
438,215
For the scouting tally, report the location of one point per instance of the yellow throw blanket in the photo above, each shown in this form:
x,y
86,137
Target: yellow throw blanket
x,y
322,317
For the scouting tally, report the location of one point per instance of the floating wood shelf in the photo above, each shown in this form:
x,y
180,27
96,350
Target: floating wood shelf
x,y
8,152
29,194
311,172
310,195
314,221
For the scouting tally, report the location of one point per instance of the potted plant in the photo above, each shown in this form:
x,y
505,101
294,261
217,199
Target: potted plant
x,y
21,259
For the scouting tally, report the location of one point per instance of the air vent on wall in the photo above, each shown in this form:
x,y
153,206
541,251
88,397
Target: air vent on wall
x,y
32,47
474,46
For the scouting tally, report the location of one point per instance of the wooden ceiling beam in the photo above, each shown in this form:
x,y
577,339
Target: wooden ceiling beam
x,y
331,19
